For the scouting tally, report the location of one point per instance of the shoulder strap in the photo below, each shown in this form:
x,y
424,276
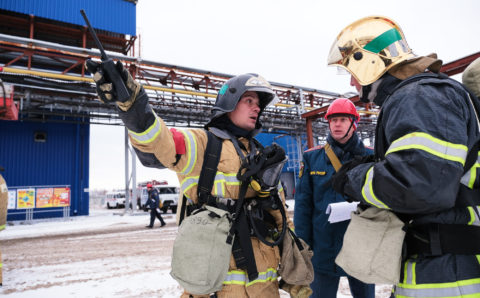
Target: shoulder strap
x,y
211,158
333,157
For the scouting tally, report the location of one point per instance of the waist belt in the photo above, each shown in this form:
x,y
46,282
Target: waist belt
x,y
440,239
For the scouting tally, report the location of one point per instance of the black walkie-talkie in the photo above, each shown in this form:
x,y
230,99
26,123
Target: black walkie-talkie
x,y
109,66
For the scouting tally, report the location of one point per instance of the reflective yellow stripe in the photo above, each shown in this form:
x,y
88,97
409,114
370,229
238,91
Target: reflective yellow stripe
x,y
472,215
468,179
191,144
474,220
188,183
148,135
461,288
432,145
367,191
219,184
2,227
478,258
237,277
409,276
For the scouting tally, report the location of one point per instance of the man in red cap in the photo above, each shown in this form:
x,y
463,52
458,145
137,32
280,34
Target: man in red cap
x,y
153,203
314,193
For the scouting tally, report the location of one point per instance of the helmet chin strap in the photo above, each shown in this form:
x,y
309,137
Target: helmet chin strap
x,y
368,93
350,127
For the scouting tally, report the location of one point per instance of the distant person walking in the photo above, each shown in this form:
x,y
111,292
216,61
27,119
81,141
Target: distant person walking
x,y
153,203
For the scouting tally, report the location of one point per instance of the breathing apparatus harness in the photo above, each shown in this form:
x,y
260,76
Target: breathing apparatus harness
x,y
260,169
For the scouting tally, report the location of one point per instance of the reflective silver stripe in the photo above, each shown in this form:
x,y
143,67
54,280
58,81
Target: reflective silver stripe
x,y
221,179
148,135
409,274
279,186
191,144
237,277
188,183
461,288
367,191
432,145
474,220
468,179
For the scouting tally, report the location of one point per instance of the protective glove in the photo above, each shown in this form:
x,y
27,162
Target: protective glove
x,y
297,291
105,87
339,179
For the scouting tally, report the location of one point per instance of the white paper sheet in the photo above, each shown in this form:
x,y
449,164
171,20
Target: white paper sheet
x,y
340,211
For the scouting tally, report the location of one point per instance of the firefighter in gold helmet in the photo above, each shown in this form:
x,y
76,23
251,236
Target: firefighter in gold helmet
x,y
314,193
235,121
427,159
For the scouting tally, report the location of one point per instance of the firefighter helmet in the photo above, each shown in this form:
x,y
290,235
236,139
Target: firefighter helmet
x,y
233,89
342,106
369,47
149,185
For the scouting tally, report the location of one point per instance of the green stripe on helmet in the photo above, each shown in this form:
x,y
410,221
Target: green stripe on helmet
x,y
382,41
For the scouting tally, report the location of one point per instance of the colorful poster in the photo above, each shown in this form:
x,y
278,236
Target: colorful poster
x,y
44,197
26,198
61,197
12,198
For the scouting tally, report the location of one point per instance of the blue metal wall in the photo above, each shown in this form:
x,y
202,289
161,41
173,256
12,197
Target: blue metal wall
x,y
62,160
267,139
111,15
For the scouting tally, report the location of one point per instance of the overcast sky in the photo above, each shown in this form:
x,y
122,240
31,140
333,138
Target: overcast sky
x,y
284,41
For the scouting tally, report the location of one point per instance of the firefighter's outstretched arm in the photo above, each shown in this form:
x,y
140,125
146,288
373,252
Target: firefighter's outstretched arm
x,y
137,115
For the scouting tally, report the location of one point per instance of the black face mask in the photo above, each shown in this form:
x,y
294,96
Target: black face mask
x,y
365,91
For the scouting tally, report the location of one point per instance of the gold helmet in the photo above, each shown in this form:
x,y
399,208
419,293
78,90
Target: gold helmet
x,y
369,47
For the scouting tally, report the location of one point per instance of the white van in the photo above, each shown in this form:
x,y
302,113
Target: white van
x,y
115,199
168,196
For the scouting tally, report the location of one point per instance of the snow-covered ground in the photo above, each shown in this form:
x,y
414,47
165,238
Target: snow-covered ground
x,y
106,254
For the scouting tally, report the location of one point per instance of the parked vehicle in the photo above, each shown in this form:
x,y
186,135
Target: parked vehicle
x,y
115,199
168,196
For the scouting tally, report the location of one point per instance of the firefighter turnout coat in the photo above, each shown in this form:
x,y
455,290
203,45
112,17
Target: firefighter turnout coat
x,y
425,130
183,152
312,197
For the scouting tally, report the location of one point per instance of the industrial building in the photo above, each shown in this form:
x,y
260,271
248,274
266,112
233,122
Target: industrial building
x,y
48,101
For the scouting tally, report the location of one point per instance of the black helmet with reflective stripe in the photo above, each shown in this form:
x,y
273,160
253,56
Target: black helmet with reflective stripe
x,y
233,89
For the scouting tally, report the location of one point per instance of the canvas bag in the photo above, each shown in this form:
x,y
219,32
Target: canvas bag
x,y
296,263
372,246
201,255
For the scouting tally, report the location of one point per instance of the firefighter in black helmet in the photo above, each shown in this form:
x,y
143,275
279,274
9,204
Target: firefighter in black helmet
x,y
235,121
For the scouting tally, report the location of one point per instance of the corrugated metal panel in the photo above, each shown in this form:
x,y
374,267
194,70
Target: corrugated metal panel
x,y
62,160
111,15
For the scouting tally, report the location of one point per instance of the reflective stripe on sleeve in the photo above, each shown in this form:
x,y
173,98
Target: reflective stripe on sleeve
x,y
474,220
468,179
432,145
148,135
220,182
191,152
237,277
367,191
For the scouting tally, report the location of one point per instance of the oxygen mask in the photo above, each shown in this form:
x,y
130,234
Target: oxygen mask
x,y
263,169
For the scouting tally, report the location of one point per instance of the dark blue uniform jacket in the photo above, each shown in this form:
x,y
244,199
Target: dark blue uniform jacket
x,y
312,196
